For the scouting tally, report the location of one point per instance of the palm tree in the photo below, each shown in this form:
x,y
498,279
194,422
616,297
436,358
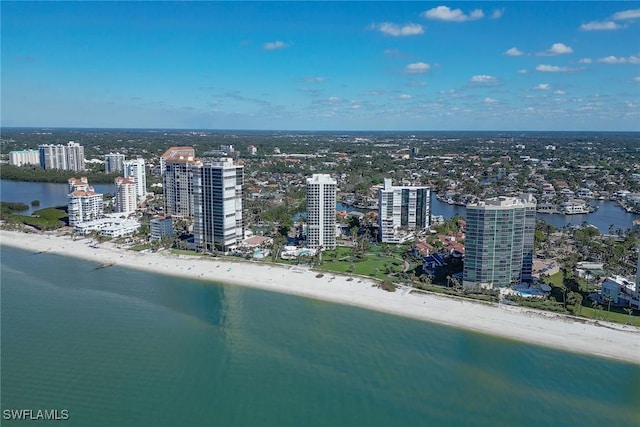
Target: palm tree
x,y
609,299
629,311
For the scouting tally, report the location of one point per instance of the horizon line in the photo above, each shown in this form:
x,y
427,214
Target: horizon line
x,y
314,130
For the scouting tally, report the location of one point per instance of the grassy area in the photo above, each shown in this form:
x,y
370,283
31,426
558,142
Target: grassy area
x,y
141,247
373,264
613,316
42,219
556,279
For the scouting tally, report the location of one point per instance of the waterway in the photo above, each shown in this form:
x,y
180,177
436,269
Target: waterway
x,y
608,212
49,194
119,347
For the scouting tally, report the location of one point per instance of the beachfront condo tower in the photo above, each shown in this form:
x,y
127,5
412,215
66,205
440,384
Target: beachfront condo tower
x,y
66,157
217,200
126,199
177,165
135,168
83,203
403,211
321,212
114,163
499,242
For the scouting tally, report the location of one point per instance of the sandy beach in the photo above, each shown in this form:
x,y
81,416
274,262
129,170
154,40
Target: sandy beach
x,y
527,325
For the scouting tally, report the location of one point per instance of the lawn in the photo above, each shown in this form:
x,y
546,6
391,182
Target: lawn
x,y
374,264
42,219
612,316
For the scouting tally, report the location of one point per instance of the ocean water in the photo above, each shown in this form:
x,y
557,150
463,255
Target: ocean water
x,y
118,347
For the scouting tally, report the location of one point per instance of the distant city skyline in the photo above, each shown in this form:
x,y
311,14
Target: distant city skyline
x,y
322,66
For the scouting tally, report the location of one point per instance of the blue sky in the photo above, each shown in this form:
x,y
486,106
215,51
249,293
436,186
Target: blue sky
x,y
322,66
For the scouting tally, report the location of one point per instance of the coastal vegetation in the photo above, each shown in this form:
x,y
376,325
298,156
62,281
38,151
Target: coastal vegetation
x,y
37,174
42,219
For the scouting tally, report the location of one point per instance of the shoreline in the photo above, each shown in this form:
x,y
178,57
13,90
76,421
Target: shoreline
x,y
547,329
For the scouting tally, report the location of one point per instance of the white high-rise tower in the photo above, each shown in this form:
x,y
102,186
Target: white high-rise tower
x,y
321,211
135,169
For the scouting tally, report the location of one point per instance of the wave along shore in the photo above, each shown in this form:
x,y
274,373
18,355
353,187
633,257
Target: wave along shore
x,y
562,332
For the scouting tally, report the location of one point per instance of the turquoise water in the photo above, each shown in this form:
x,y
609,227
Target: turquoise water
x,y
119,347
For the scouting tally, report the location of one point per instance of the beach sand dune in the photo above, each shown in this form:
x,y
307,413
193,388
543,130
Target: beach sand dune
x,y
527,325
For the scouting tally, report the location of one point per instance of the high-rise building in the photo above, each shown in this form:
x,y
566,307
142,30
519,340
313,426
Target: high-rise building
x,y
402,211
114,163
84,204
321,211
499,241
66,157
24,157
217,216
75,155
177,164
176,153
126,199
52,156
135,168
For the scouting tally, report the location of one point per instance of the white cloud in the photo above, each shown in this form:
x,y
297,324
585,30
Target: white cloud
x,y
551,68
522,71
543,86
397,30
556,49
636,79
626,14
560,92
612,60
600,26
497,14
405,96
483,78
316,79
416,83
585,61
488,100
619,60
274,45
417,68
443,13
514,51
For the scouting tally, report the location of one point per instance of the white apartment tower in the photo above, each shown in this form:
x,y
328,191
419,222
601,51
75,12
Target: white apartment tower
x,y
84,204
114,163
126,197
217,195
499,241
135,168
321,212
402,211
24,157
66,157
